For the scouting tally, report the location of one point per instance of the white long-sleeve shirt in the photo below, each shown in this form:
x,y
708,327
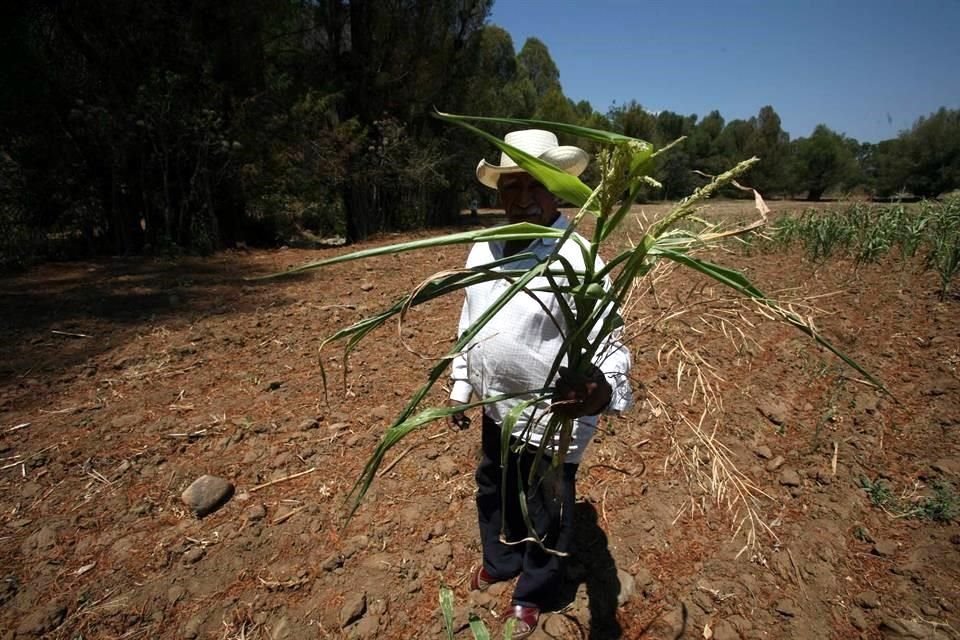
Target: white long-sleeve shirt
x,y
516,349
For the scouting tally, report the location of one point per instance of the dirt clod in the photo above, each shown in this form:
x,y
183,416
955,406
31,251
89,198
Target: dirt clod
x,y
885,548
353,607
42,620
867,600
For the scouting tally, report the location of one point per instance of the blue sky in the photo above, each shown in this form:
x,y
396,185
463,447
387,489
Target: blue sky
x,y
865,68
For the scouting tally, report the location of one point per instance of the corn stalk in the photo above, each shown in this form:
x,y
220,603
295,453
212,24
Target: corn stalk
x,y
591,297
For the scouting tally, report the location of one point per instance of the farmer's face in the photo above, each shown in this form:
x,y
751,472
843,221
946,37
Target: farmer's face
x,y
526,200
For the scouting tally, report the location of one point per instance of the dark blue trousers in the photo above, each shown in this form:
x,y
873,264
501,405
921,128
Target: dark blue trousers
x,y
550,505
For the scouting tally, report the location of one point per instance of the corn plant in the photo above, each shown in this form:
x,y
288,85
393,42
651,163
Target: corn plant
x,y
477,628
591,309
944,240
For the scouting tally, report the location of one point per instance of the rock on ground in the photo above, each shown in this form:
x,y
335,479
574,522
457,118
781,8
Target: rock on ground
x,y
42,620
207,494
354,607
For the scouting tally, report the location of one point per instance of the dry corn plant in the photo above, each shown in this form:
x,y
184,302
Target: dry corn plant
x,y
591,295
671,321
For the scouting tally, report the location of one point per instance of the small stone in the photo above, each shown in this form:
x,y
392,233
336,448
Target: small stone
x,y
308,424
786,608
42,620
866,402
29,490
192,628
741,624
175,593
447,466
673,624
380,413
353,608
207,494
885,548
790,478
368,627
947,466
332,562
867,600
355,544
8,589
555,626
703,601
282,630
775,464
774,411
763,451
440,555
628,587
946,605
929,610
194,555
481,599
863,534
899,628
255,513
366,285
858,620
725,631
141,509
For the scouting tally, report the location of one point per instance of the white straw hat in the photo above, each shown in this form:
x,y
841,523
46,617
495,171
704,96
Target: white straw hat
x,y
538,143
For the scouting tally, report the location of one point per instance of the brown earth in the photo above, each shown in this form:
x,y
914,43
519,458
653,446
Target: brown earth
x,y
122,381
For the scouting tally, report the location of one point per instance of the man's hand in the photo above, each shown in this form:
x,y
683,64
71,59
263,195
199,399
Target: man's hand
x,y
579,395
457,421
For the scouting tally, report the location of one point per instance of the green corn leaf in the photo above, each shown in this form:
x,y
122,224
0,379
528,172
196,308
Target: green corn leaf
x,y
446,607
560,183
478,629
517,231
597,135
737,281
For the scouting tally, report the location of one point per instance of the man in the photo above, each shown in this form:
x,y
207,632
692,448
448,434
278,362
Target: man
x,y
514,352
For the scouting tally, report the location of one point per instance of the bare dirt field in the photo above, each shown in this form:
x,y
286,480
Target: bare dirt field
x,y
124,380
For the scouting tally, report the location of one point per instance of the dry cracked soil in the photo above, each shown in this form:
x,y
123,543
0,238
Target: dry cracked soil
x,y
806,504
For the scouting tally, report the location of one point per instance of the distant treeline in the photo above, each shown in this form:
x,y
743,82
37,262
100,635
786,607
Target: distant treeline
x,y
170,126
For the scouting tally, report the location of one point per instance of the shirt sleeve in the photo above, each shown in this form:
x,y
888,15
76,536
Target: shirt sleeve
x,y
613,359
461,390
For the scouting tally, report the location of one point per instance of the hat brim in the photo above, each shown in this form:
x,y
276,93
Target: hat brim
x,y
572,160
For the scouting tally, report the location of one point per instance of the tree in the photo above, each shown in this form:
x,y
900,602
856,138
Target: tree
x,y
631,119
704,146
822,161
771,144
932,151
536,62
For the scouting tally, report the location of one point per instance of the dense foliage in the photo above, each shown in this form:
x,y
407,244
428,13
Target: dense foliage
x,y
132,127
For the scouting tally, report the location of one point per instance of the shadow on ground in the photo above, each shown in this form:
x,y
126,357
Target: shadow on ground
x,y
593,566
60,315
